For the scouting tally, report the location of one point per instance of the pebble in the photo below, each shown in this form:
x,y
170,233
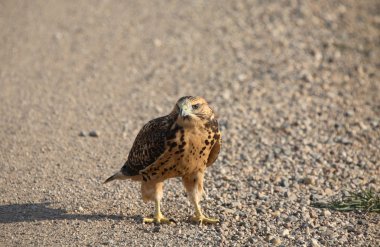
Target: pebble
x,y
350,228
285,233
157,43
361,222
83,133
275,241
326,213
242,77
313,214
308,181
226,95
349,113
328,192
276,213
314,242
94,133
228,210
260,210
236,204
290,196
306,76
284,182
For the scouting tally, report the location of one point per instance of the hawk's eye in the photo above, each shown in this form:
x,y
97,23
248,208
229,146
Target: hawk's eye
x,y
196,106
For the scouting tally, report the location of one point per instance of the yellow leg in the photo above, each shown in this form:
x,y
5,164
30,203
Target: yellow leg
x,y
200,218
158,217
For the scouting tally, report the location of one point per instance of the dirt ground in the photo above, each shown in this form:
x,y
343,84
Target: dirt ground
x,y
296,86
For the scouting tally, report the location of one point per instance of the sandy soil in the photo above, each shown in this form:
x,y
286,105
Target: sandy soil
x,y
295,83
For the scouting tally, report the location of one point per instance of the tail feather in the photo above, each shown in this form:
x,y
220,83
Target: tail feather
x,y
117,176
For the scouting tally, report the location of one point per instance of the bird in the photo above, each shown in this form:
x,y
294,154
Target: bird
x,y
181,144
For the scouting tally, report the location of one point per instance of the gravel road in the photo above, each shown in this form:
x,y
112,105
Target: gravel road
x,y
296,85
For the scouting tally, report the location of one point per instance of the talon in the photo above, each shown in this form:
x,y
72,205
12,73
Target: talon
x,y
159,219
204,220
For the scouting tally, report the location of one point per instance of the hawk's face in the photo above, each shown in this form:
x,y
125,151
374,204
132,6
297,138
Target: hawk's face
x,y
193,109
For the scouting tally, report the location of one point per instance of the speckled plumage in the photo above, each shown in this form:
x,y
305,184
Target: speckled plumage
x,y
149,144
182,144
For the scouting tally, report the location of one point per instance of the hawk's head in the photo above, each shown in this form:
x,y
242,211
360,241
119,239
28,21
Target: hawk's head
x,y
193,109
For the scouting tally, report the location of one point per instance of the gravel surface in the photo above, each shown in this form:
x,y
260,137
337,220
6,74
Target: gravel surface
x,y
295,84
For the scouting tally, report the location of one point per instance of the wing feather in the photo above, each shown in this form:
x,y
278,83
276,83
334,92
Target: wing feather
x,y
149,145
214,153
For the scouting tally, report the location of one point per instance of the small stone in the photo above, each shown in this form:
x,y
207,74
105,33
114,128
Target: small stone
x,y
362,222
262,196
346,141
328,192
292,219
276,213
269,238
80,209
277,151
82,133
228,210
290,196
68,208
351,228
313,214
306,76
326,213
157,43
343,140
318,56
349,113
363,126
226,95
285,233
242,77
307,181
156,229
58,36
260,210
374,124
235,237
275,241
159,108
314,242
93,133
236,204
284,182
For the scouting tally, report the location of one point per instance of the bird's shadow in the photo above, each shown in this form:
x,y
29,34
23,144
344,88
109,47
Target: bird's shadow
x,y
30,212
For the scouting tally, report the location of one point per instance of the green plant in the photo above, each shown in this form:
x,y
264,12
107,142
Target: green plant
x,y
365,200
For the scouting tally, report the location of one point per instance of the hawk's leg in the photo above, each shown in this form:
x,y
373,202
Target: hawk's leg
x,y
194,187
153,192
158,217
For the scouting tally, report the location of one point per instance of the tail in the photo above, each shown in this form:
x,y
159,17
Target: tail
x,y
117,176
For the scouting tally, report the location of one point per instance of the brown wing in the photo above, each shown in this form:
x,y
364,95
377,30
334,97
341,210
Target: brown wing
x,y
215,151
149,145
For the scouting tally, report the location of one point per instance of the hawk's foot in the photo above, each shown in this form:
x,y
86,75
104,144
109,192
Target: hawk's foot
x,y
204,220
159,218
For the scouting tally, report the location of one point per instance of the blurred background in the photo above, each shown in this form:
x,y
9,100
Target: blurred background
x,y
295,85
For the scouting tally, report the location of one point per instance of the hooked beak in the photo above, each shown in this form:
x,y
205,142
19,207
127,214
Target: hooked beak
x,y
184,110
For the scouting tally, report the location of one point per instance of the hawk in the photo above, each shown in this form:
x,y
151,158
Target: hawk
x,y
181,144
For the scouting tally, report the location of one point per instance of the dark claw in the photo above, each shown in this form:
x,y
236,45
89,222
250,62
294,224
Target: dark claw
x,y
173,221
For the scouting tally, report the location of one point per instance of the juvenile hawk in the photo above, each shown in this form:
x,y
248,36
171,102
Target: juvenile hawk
x,y
181,144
